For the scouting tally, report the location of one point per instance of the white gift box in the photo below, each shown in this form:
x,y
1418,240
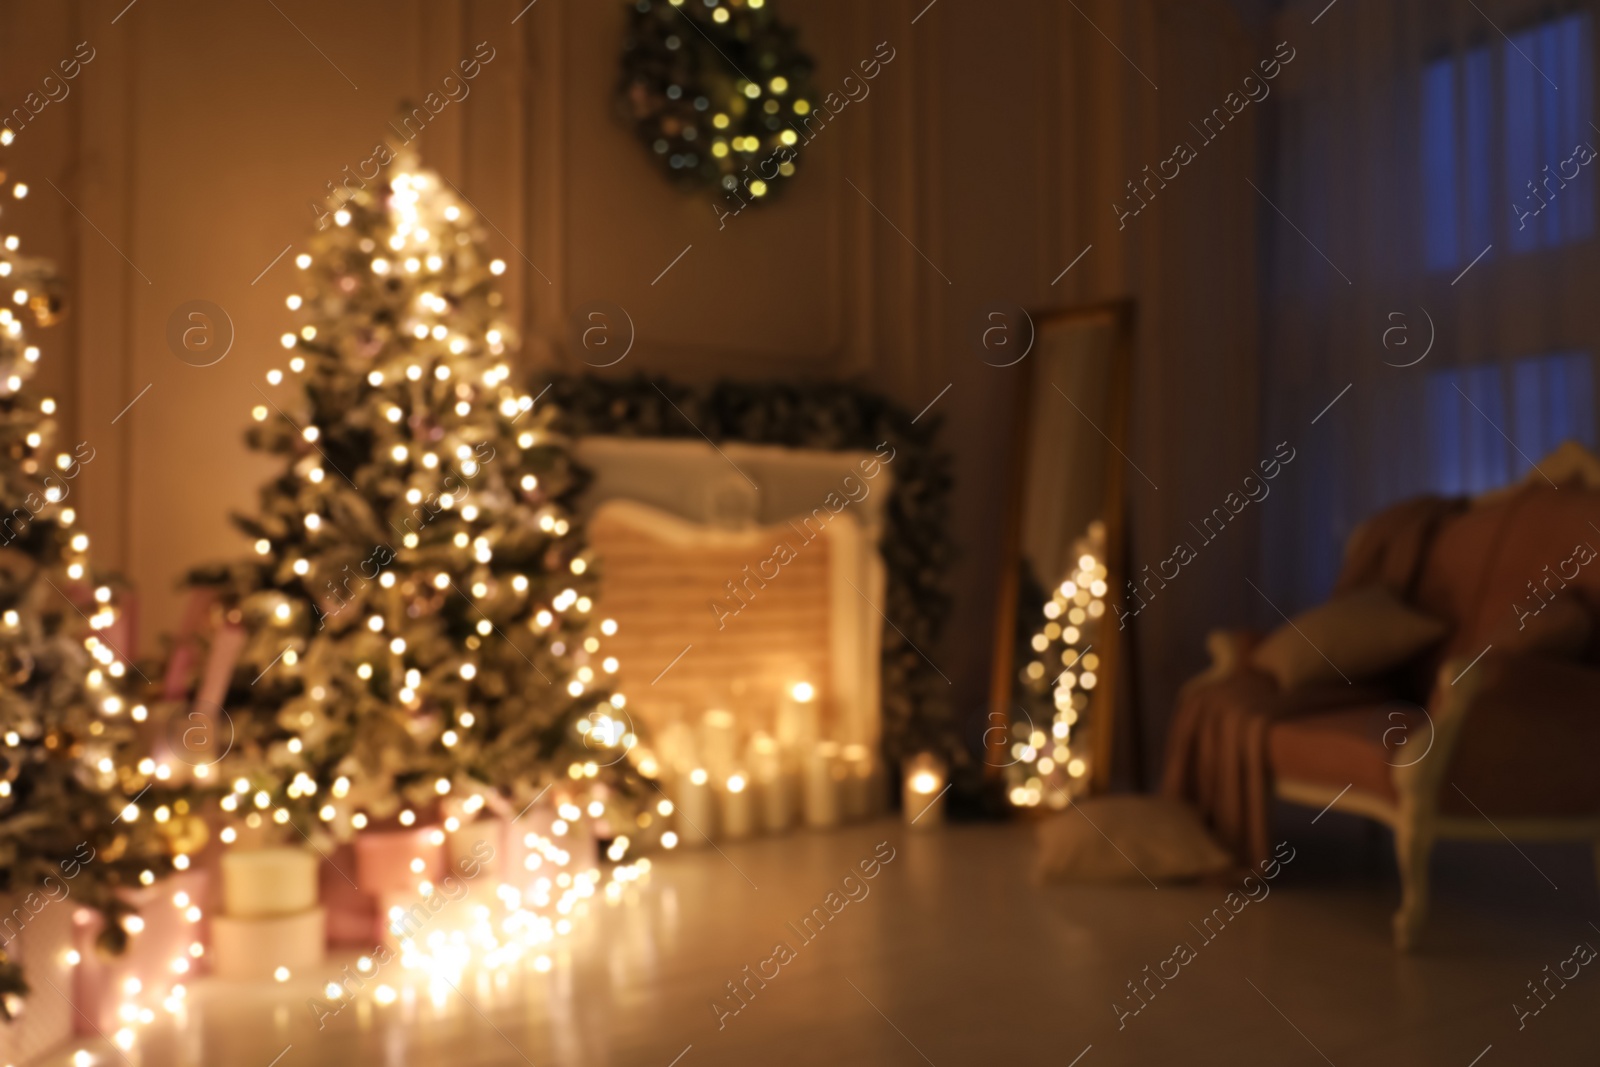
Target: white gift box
x,y
40,939
252,950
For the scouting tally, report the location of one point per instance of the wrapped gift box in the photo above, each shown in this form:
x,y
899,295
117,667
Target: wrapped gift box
x,y
478,847
522,862
386,860
268,882
512,850
270,918
352,914
171,920
252,950
41,941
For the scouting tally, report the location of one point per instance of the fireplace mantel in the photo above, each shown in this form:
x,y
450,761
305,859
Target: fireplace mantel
x,y
659,502
677,476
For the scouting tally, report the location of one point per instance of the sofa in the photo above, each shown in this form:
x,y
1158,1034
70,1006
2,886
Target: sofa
x,y
1491,733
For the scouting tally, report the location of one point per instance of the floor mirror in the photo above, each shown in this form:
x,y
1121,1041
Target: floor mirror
x,y
1060,723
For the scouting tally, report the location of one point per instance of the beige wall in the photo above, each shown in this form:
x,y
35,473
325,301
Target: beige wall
x,y
995,142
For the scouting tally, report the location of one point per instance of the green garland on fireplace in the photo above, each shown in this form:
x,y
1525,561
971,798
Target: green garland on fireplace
x,y
916,548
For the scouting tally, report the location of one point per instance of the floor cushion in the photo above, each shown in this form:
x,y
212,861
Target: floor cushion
x,y
1128,838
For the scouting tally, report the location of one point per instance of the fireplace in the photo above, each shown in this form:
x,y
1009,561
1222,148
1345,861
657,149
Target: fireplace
x,y
744,580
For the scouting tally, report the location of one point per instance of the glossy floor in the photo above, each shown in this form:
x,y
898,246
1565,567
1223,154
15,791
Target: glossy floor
x,y
951,955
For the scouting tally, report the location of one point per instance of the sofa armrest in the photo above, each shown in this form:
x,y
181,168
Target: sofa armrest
x,y
1515,736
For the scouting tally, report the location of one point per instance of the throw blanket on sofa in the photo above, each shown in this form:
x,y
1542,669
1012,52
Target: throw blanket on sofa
x,y
1217,751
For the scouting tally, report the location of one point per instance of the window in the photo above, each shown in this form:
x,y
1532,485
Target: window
x,y
1529,96
1489,424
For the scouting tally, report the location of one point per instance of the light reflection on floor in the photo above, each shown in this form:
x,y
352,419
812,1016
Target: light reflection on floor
x,y
951,955
480,954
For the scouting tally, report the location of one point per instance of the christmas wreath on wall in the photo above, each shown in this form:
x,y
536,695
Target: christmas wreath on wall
x,y
917,715
713,88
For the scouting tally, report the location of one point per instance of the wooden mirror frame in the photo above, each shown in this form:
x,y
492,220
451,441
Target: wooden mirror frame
x,y
1112,711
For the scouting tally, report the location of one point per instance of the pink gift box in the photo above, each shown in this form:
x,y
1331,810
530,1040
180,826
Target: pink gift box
x,y
479,846
352,914
40,941
184,662
384,875
158,956
539,821
384,859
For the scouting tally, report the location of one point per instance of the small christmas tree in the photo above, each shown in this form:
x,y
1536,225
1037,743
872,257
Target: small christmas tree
x,y
418,620
71,778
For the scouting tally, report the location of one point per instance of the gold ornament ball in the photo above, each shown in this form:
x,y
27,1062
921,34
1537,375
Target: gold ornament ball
x,y
185,834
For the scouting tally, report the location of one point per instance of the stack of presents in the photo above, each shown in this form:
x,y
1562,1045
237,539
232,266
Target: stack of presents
x,y
278,911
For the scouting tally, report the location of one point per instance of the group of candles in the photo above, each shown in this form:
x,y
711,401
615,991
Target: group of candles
x,y
726,786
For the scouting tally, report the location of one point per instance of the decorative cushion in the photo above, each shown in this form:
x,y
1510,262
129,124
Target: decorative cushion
x,y
1356,635
1127,839
1561,628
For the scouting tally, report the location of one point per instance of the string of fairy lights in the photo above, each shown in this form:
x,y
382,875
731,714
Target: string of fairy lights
x,y
93,728
1045,768
516,925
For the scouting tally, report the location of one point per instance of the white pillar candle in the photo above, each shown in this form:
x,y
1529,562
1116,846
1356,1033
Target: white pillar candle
x,y
922,798
696,806
799,728
738,807
780,800
822,786
262,882
678,751
857,767
773,782
719,743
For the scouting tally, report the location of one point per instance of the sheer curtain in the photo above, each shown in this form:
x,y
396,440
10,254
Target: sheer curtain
x,y
1429,187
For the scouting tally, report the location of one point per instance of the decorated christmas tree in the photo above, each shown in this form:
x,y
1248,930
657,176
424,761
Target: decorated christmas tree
x,y
72,781
417,625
